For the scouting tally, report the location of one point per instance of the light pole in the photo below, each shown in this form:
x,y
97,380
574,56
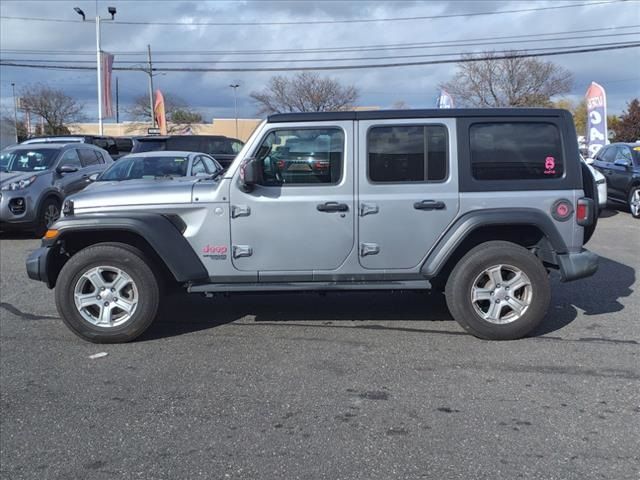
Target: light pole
x,y
235,103
15,110
112,11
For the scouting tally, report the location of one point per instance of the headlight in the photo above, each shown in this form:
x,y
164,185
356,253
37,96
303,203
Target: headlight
x,y
20,184
67,207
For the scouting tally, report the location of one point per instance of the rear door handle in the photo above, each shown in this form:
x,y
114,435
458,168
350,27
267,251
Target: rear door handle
x,y
429,205
333,207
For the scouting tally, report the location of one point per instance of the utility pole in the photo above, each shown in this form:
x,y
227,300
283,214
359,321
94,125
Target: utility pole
x,y
153,117
99,63
235,104
15,110
117,103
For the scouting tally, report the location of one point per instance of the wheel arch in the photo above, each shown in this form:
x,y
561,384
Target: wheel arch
x,y
526,227
157,236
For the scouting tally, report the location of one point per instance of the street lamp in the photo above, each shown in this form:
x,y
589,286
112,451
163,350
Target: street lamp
x,y
112,12
235,103
15,110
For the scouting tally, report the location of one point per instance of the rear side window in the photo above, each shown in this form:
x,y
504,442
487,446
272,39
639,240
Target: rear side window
x,y
516,151
88,157
407,153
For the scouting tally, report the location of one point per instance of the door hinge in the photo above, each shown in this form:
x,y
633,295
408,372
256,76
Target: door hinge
x,y
240,251
368,209
240,211
369,249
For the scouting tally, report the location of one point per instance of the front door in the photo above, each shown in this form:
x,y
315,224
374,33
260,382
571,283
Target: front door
x,y
408,189
301,219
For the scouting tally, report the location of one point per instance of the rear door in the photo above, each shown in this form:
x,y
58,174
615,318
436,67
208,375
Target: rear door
x,y
301,219
621,171
408,189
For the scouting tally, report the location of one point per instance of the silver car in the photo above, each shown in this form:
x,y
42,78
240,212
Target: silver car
x,y
155,165
35,179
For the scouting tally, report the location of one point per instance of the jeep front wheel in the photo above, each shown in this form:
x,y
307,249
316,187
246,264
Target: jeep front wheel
x,y
498,291
106,293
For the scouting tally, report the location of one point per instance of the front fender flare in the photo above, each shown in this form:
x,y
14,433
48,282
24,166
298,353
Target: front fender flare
x,y
160,232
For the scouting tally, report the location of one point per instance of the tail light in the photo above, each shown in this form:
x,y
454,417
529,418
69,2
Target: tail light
x,y
584,211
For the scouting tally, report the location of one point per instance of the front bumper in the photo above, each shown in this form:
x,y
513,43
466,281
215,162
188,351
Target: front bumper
x,y
574,266
37,262
26,217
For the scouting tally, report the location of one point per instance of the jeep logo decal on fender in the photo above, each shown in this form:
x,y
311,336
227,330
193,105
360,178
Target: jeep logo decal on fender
x,y
215,252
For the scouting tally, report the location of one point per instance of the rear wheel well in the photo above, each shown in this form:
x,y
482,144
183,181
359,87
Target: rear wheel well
x,y
527,236
71,243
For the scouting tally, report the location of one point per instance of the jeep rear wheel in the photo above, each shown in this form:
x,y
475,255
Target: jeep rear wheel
x,y
498,291
106,293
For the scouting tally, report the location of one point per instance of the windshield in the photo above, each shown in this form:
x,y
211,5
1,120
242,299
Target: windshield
x,y
34,160
146,167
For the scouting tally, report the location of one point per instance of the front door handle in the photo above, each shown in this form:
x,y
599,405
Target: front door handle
x,y
429,205
333,207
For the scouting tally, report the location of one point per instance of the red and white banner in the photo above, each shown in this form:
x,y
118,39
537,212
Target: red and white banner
x,y
107,68
597,118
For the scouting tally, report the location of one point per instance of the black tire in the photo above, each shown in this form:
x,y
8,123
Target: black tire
x,y
461,281
590,189
630,200
44,221
126,258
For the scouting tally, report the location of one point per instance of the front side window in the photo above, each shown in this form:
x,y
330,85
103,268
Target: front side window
x,y
70,157
302,156
407,153
516,151
198,166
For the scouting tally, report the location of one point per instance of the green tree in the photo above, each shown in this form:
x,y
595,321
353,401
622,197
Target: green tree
x,y
628,130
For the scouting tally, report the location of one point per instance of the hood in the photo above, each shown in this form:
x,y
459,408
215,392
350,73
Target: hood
x,y
9,177
102,195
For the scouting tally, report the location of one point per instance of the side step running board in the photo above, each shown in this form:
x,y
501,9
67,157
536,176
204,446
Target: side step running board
x,y
307,286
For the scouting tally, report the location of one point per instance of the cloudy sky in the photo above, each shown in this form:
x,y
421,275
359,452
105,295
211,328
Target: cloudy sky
x,y
616,70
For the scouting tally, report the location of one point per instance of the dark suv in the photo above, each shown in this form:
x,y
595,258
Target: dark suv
x,y
223,149
620,164
105,142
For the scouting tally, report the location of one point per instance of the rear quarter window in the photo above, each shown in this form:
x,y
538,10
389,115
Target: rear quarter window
x,y
515,151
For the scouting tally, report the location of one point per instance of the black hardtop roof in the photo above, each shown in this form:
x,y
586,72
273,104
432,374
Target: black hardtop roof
x,y
422,113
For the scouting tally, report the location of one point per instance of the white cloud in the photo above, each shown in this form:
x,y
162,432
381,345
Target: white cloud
x,y
616,70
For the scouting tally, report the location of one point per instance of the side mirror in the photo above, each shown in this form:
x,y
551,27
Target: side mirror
x,y
62,169
93,177
251,173
622,163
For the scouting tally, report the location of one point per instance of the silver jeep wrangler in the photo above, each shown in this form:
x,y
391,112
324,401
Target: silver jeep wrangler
x,y
480,203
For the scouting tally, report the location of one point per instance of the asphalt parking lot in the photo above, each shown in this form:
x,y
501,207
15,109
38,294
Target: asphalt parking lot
x,y
343,386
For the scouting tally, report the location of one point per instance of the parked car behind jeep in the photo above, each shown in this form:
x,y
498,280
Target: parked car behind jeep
x,y
620,164
482,204
223,149
35,178
101,141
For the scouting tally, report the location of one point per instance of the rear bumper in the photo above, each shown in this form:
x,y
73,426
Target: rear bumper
x,y
37,264
574,266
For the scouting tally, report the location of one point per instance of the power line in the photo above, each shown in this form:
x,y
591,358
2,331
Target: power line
x,y
323,22
584,49
346,49
386,57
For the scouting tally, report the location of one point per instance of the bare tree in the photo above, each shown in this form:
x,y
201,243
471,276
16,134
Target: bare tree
x,y
306,92
179,114
56,107
507,82
400,105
